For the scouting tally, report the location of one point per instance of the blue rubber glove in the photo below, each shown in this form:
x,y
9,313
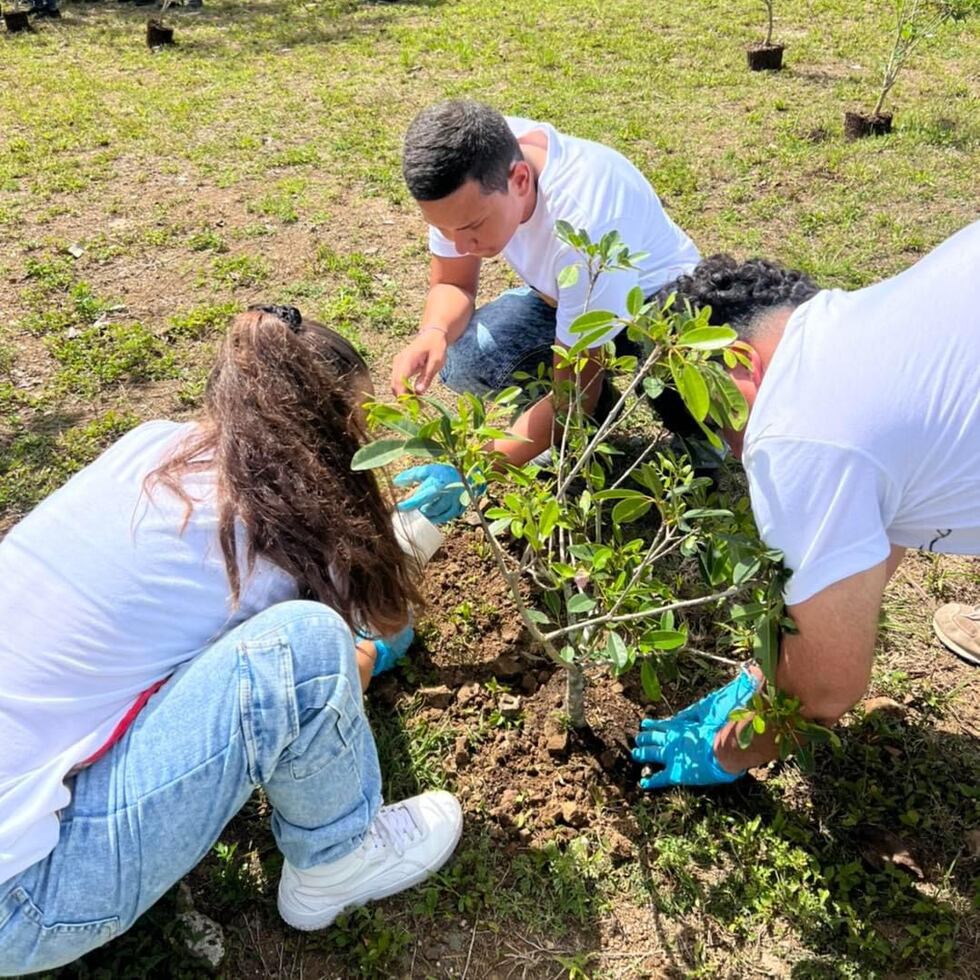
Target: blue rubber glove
x,y
684,743
390,649
686,752
440,491
715,707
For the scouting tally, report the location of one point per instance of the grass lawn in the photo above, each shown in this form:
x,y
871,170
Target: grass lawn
x,y
145,196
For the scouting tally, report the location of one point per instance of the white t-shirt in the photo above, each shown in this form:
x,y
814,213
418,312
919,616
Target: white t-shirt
x,y
103,596
866,429
593,187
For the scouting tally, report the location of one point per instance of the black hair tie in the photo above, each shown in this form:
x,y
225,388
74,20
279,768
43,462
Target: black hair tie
x,y
288,314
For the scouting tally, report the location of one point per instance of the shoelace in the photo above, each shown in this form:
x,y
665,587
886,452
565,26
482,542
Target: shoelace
x,y
393,827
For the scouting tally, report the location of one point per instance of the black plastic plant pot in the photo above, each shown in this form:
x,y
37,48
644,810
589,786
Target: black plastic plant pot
x,y
158,34
16,20
857,125
765,57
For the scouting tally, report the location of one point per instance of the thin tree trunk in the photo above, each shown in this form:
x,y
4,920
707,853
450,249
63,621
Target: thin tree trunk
x,y
575,695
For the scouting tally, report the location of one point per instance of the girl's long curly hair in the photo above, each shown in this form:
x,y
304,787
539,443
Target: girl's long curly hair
x,y
281,424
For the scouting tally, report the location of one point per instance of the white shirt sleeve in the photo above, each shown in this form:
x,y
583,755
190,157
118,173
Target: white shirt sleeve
x,y
824,506
609,292
441,246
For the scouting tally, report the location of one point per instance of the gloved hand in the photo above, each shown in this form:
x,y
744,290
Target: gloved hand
x,y
715,707
686,752
440,492
684,743
390,649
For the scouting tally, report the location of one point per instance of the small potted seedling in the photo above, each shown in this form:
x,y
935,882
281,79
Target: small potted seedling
x,y
16,20
158,34
766,56
915,21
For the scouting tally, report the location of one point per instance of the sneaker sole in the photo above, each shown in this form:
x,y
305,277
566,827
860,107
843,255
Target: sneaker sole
x,y
307,922
954,647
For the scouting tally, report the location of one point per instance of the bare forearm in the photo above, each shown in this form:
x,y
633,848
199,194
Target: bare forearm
x,y
449,307
535,426
827,687
366,653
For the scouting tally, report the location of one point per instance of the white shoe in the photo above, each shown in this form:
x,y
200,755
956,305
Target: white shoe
x,y
407,842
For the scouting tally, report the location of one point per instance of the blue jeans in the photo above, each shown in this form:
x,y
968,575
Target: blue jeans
x,y
515,332
274,703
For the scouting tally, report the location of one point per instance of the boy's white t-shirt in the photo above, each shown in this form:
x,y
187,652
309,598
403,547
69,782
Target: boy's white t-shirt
x,y
103,596
866,428
590,186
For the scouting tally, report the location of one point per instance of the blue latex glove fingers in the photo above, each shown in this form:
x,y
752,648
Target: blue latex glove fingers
x,y
412,476
650,746
686,753
439,493
429,489
659,780
658,724
392,649
445,507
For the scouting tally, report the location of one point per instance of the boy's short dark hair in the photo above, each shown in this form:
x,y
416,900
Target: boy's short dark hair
x,y
739,292
455,141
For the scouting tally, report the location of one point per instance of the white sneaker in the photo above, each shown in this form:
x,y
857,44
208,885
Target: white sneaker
x,y
407,842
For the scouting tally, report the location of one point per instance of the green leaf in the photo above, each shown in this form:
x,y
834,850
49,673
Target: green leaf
x,y
635,300
381,452
745,736
586,341
759,724
567,654
616,651
424,447
508,395
693,390
707,338
666,639
591,320
711,436
568,276
564,231
536,616
631,510
650,681
652,387
581,603
765,646
746,569
734,409
619,494
549,517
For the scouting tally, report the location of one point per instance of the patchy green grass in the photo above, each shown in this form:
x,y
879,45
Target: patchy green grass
x,y
258,161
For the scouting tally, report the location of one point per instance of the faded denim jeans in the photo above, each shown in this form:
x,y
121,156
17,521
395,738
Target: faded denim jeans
x,y
515,333
274,703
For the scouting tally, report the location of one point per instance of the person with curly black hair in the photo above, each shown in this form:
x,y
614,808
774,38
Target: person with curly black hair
x,y
863,440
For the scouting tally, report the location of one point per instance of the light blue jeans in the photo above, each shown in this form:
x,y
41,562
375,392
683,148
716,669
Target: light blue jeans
x,y
274,703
